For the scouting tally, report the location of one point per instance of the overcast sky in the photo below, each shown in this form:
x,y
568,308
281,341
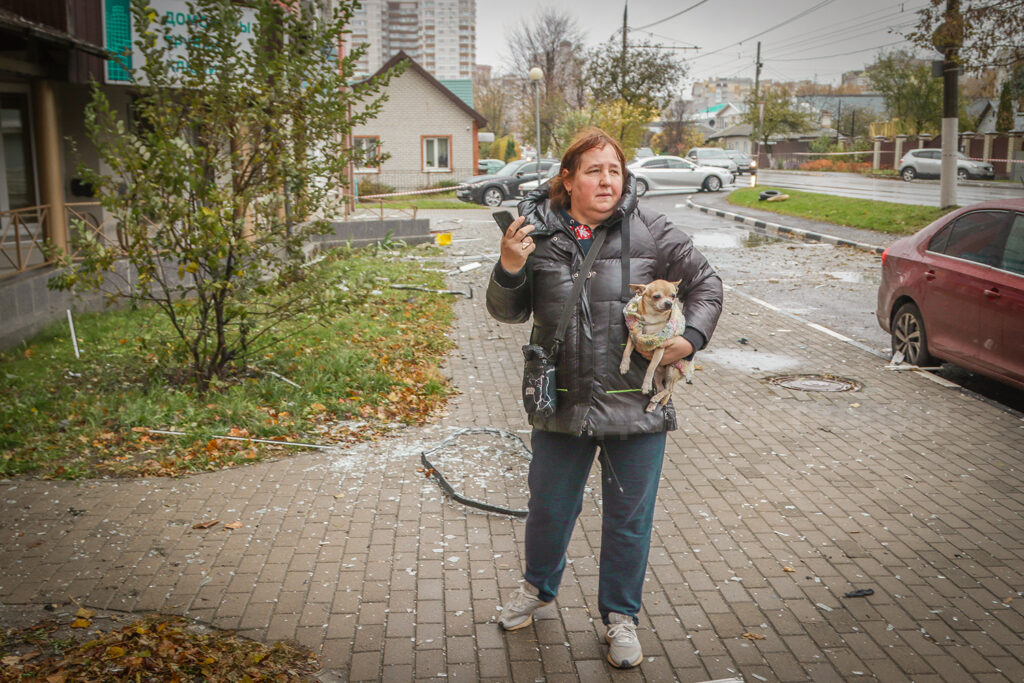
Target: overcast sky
x,y
801,39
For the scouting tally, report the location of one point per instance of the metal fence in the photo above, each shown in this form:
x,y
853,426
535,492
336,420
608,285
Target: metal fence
x,y
388,181
24,234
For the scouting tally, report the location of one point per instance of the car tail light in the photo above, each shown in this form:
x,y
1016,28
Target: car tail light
x,y
885,255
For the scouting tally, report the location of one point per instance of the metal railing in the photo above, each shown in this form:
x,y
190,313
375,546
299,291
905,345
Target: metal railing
x,y
24,244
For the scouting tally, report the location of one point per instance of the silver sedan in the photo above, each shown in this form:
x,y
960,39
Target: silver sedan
x,y
676,173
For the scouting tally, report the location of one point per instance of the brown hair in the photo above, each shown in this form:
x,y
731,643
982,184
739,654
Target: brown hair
x,y
585,140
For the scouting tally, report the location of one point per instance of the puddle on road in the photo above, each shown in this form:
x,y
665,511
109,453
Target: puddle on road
x,y
739,359
729,239
873,277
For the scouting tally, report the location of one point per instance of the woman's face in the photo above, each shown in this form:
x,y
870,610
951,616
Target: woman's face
x,y
594,189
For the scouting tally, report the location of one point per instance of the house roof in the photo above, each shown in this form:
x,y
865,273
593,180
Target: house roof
x,y
714,109
13,21
403,57
740,130
462,87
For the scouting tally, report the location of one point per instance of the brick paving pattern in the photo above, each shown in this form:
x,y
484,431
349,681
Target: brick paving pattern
x,y
773,504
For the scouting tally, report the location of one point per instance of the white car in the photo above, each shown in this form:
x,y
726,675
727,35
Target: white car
x,y
531,185
676,173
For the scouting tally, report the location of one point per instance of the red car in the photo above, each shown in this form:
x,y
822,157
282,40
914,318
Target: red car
x,y
955,291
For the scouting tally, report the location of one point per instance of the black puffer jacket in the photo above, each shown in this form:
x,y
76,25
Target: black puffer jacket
x,y
593,397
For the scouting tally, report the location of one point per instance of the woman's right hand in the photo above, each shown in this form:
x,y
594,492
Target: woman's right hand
x,y
516,245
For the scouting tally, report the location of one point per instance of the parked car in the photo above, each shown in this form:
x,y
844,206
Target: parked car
x,y
712,156
925,163
744,164
676,173
489,166
531,185
493,189
955,291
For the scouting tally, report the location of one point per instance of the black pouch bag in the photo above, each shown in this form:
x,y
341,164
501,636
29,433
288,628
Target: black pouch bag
x,y
540,390
539,386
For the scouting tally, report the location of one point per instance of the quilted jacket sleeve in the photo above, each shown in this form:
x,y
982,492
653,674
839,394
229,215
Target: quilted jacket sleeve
x,y
509,297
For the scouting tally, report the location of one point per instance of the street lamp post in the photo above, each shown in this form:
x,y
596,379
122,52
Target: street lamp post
x,y
536,74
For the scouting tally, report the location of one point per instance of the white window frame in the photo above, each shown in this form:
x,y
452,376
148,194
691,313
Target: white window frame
x,y
431,160
358,144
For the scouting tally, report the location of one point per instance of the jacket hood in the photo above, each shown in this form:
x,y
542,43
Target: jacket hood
x,y
545,219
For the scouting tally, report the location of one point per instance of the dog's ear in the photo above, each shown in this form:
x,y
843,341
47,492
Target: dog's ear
x,y
638,289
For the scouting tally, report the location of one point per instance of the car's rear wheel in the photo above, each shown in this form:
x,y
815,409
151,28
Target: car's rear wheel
x,y
908,335
641,187
909,173
493,197
712,183
961,174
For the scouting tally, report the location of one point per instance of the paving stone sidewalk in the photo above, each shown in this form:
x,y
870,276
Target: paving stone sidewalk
x,y
774,503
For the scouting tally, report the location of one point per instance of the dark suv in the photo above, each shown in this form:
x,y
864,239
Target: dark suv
x,y
492,190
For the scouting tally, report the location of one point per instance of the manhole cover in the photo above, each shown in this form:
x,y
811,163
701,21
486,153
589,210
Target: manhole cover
x,y
815,383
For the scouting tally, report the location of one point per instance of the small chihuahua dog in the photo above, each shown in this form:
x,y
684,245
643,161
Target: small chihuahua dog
x,y
653,317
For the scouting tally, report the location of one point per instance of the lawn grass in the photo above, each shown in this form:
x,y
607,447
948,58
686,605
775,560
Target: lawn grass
x,y
368,366
887,217
440,200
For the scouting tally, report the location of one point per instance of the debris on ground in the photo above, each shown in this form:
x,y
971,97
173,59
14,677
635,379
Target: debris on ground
x,y
157,647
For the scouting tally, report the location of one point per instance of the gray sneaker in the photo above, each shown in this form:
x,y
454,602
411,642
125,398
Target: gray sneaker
x,y
518,611
624,649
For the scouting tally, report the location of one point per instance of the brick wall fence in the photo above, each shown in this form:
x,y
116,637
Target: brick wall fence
x,y
1005,152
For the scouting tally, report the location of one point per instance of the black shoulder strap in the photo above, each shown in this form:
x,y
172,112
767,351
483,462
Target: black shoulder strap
x,y
577,288
627,293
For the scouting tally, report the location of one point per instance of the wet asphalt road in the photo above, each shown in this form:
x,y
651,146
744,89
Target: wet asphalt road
x,y
831,286
922,192
835,287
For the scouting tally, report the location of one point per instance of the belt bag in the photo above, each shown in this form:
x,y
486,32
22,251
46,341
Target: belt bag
x,y
540,389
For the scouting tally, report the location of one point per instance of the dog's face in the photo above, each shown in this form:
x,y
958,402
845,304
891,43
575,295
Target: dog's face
x,y
657,298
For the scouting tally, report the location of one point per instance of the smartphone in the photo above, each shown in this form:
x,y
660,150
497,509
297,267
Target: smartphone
x,y
503,219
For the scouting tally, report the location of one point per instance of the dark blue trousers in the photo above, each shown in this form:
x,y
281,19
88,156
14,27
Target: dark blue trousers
x,y
629,487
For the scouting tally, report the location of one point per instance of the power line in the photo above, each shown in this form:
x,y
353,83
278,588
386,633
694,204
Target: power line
x,y
866,20
661,21
770,28
840,54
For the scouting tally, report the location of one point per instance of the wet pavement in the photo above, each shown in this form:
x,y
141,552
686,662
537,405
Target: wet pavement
x,y
775,503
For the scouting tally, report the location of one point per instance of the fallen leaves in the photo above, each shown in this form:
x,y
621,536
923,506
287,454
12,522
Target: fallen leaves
x,y
206,525
155,648
233,525
753,636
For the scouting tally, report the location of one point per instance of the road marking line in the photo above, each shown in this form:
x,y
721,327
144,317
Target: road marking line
x,y
833,333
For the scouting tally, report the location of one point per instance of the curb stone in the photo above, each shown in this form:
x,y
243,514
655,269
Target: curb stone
x,y
779,230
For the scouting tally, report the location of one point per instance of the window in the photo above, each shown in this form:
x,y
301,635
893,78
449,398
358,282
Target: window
x,y
978,237
1013,255
367,148
17,175
436,153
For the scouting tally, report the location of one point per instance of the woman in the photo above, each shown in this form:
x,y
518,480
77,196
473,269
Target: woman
x,y
597,407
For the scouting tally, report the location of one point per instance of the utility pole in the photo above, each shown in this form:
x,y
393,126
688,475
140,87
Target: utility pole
x,y
760,107
625,32
948,39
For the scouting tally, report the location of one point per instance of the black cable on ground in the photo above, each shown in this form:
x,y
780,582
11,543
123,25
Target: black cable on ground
x,y
432,471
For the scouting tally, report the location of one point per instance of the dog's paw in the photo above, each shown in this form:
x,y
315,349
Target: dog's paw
x,y
624,367
651,406
647,387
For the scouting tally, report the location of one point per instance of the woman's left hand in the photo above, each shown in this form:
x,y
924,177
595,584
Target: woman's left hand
x,y
676,348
